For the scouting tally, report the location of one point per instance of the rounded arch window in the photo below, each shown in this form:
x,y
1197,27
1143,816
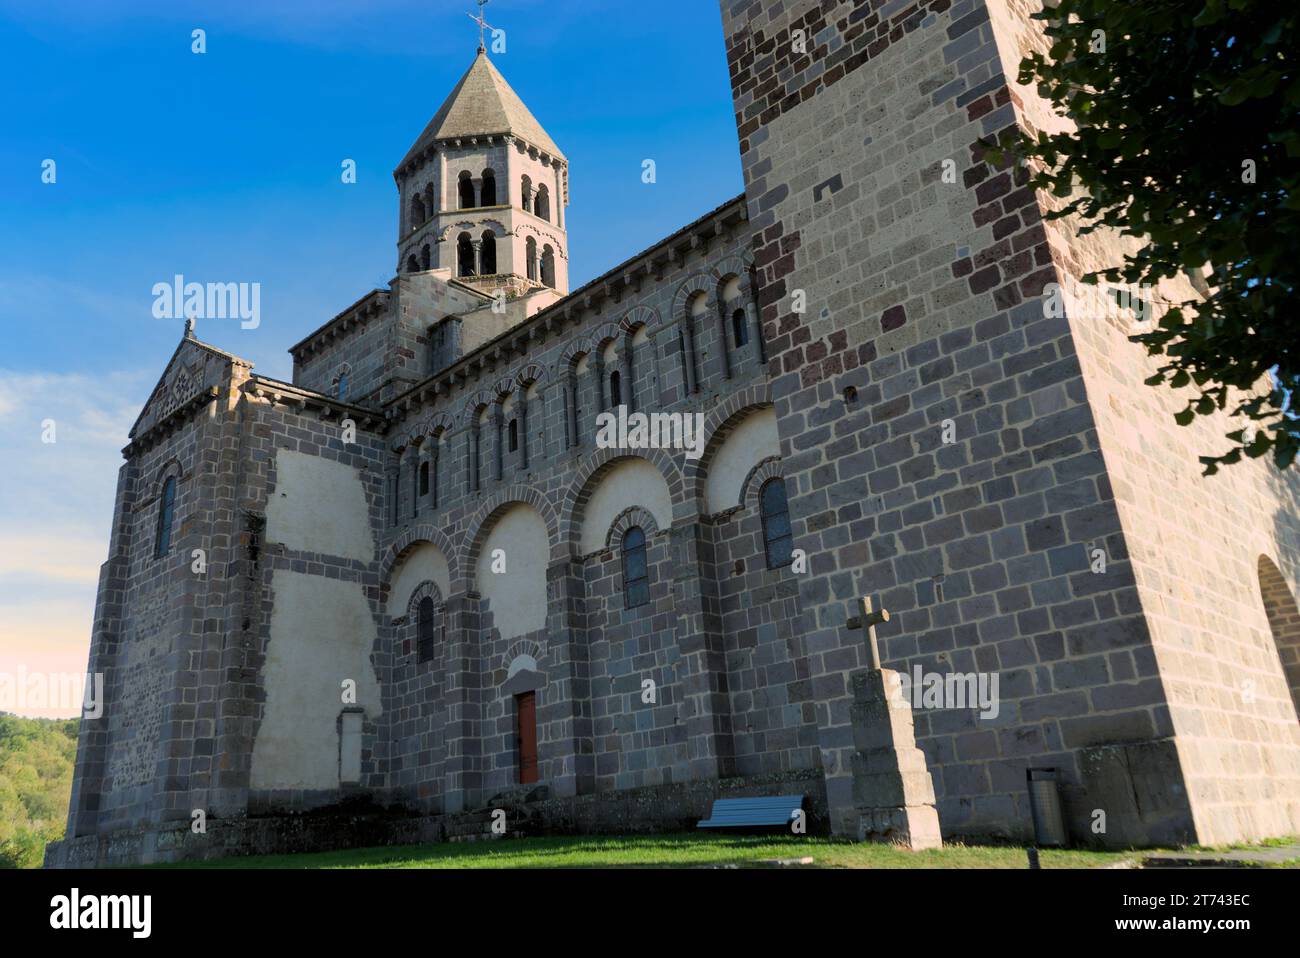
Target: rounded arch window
x,y
464,255
488,189
426,632
530,257
548,267
636,574
466,191
778,541
166,513
738,330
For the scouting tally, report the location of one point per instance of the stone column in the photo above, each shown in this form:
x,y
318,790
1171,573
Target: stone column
x,y
478,256
750,291
559,195
462,677
508,173
416,456
598,375
499,454
706,707
523,428
625,365
390,497
472,458
568,750
573,426
688,358
433,472
410,463
724,350
565,417
443,205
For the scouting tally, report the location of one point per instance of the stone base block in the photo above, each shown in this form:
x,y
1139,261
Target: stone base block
x,y
889,787
915,827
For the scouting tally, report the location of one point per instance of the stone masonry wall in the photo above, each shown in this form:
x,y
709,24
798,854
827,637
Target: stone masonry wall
x,y
595,734
1196,544
922,314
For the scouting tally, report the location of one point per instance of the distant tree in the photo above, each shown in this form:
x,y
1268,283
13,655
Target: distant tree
x,y
1186,135
36,760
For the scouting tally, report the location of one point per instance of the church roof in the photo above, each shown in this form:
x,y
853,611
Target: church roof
x,y
482,103
188,345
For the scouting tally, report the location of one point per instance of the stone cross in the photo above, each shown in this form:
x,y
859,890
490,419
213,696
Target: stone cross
x,y
482,24
867,622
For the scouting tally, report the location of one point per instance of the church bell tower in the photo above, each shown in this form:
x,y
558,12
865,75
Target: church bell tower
x,y
483,192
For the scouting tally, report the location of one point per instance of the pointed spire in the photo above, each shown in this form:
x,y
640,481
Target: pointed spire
x,y
483,103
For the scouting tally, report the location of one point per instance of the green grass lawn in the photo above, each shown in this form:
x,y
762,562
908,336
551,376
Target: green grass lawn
x,y
670,851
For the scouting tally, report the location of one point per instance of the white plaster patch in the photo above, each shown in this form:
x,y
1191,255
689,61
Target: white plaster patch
x,y
322,633
517,597
754,440
521,663
629,482
319,505
424,563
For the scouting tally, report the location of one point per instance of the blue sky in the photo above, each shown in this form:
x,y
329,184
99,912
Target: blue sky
x,y
225,166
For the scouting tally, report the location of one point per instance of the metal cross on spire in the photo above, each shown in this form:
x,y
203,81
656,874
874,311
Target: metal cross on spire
x,y
483,25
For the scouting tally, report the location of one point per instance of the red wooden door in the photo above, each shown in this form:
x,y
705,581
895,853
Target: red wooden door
x,y
526,736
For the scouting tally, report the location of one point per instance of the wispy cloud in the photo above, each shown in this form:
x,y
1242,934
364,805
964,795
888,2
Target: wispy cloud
x,y
56,506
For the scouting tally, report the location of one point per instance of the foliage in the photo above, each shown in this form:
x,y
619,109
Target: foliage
x,y
36,759
1186,135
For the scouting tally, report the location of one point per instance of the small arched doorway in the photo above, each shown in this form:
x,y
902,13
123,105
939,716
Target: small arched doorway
x,y
524,683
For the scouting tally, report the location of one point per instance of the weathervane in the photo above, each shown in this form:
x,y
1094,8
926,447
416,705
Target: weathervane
x,y
482,24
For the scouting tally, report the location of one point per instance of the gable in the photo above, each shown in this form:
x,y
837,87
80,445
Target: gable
x,y
193,369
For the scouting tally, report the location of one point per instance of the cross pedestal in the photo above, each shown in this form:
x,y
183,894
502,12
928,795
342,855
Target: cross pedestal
x,y
892,790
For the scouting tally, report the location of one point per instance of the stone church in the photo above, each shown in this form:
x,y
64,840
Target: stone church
x,y
412,585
